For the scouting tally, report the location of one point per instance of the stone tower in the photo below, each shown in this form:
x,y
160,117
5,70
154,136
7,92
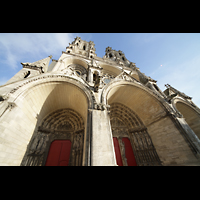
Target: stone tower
x,y
83,110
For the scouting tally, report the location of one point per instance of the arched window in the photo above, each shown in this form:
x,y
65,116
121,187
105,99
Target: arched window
x,y
78,72
84,47
191,116
94,77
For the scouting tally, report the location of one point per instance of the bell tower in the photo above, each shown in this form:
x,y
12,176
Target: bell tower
x,y
117,56
82,47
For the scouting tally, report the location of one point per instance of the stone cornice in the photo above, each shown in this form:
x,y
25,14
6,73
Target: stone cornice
x,y
32,67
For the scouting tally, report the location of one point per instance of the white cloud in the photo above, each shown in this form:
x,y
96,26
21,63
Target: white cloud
x,y
15,47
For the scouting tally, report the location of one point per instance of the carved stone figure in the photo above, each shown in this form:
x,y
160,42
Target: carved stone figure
x,y
39,143
97,83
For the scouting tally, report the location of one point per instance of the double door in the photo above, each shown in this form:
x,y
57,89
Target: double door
x,y
124,152
59,153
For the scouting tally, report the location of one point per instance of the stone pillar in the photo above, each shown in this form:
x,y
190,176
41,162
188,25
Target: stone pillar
x,y
102,148
87,141
90,76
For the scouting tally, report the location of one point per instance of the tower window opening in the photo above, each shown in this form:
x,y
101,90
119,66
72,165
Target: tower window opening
x,y
94,77
110,55
27,74
84,47
122,58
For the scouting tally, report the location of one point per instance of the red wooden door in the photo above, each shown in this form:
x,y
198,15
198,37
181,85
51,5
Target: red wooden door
x,y
129,152
59,153
117,152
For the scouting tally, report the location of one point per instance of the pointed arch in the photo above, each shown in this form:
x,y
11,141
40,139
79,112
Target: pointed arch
x,y
147,105
40,96
65,127
130,135
191,114
157,116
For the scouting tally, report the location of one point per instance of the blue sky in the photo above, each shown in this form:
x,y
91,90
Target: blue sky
x,y
172,58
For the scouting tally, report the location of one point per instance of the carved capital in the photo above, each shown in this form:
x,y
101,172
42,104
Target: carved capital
x,y
101,106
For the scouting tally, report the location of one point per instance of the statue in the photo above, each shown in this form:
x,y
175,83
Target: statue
x,y
96,83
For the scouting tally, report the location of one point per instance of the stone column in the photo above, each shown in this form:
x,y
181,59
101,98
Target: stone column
x,y
90,76
102,148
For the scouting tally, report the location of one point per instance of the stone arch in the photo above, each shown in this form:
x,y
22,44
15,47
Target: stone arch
x,y
157,117
63,124
69,60
35,100
126,125
84,46
191,115
120,111
110,69
61,117
23,89
72,60
137,94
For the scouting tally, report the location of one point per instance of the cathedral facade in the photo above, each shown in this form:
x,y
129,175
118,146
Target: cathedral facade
x,y
83,110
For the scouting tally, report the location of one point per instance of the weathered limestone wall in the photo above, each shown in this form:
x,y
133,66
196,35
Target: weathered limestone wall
x,y
170,144
16,129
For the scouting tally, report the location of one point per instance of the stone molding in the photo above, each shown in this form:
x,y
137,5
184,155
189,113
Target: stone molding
x,y
85,88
